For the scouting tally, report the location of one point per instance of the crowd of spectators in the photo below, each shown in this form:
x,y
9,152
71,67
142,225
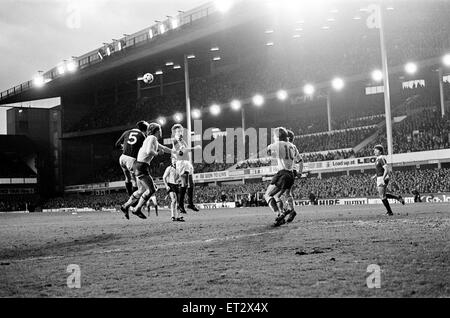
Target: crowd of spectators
x,y
344,186
333,140
424,130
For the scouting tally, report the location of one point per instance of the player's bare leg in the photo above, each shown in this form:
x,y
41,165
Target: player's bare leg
x,y
190,192
272,200
133,200
174,209
290,207
182,193
152,202
399,198
384,199
147,181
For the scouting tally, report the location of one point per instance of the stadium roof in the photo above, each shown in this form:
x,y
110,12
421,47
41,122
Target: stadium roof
x,y
191,26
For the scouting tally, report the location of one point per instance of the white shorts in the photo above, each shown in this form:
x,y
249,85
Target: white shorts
x,y
183,166
126,162
380,182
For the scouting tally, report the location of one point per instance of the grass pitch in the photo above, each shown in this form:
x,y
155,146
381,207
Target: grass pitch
x,y
325,252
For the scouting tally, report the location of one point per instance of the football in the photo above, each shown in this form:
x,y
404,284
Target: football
x,y
148,78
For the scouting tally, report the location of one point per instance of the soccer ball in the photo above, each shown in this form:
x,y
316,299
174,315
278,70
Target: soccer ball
x,y
147,78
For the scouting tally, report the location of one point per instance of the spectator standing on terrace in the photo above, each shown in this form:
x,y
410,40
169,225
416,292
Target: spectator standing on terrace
x,y
416,194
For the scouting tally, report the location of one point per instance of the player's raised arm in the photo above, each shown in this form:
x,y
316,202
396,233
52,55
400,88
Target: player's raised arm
x,y
166,149
386,169
120,141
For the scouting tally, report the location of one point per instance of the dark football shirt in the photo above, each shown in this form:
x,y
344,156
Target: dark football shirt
x,y
132,141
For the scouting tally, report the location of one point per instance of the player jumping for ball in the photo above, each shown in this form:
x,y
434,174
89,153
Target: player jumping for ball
x,y
283,181
382,177
184,167
130,142
146,187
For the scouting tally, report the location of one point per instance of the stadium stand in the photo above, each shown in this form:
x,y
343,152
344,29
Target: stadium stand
x,y
404,181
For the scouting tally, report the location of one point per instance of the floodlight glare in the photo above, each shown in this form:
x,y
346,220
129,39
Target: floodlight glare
x,y
282,94
377,75
174,23
161,121
61,69
410,68
196,113
38,81
337,83
235,104
258,100
308,89
162,28
214,109
71,66
178,117
223,5
446,60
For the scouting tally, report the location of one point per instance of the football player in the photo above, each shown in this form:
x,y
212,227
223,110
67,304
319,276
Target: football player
x,y
146,187
130,142
152,202
171,179
382,177
283,181
295,154
184,167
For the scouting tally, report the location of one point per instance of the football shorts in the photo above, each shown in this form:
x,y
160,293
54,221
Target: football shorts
x,y
141,169
283,180
173,188
381,182
126,162
184,166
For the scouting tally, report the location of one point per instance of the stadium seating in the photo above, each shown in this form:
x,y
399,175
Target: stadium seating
x,y
354,185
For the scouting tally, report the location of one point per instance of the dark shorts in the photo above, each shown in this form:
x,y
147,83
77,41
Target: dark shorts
x,y
283,180
173,188
141,169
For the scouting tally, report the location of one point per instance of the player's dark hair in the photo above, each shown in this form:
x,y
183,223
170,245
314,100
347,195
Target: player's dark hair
x,y
282,133
142,126
290,134
380,148
176,126
153,128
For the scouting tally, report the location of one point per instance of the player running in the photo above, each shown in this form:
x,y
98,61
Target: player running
x,y
283,181
295,154
146,187
382,177
171,179
130,142
184,167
